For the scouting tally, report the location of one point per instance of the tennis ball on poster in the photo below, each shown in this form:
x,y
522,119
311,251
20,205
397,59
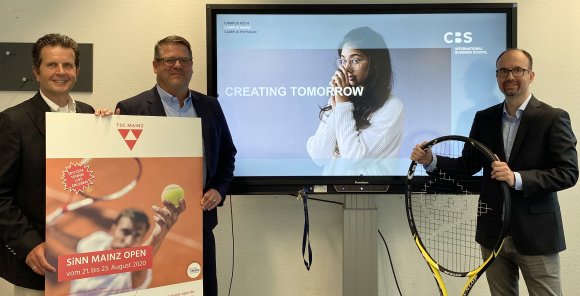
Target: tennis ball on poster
x,y
173,193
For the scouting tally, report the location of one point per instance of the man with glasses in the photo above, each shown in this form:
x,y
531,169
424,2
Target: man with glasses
x,y
537,151
172,97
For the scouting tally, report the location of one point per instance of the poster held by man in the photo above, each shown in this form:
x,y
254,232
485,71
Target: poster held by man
x,y
121,206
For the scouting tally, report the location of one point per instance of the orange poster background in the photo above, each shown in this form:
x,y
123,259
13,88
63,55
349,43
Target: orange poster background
x,y
182,245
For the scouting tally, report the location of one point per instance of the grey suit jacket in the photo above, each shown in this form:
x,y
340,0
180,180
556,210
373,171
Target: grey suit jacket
x,y
23,187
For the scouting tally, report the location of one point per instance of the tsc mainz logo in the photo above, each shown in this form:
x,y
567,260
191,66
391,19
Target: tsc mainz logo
x,y
458,37
130,133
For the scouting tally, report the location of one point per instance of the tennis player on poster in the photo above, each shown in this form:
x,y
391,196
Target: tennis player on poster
x,y
127,231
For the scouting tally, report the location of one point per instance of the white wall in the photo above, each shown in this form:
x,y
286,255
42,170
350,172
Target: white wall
x,y
268,229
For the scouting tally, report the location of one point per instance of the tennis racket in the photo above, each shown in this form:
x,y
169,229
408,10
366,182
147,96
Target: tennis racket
x,y
111,178
446,214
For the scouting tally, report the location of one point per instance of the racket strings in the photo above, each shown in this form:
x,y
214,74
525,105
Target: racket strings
x,y
445,211
447,229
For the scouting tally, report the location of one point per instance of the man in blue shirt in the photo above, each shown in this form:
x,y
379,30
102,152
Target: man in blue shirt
x,y
537,150
172,97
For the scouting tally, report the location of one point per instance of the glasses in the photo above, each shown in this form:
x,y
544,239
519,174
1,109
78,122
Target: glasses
x,y
517,72
354,63
170,62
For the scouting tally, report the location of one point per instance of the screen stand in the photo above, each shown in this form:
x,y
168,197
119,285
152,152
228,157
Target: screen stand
x,y
360,267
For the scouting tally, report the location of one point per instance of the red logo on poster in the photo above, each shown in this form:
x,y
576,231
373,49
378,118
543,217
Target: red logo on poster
x,y
130,135
77,177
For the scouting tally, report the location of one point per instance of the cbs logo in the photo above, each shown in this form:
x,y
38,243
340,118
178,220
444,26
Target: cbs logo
x,y
458,37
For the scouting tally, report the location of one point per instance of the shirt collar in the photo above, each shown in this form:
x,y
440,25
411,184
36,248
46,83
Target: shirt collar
x,y
70,107
167,97
521,108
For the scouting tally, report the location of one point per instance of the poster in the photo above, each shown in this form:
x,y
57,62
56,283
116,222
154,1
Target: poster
x,y
108,230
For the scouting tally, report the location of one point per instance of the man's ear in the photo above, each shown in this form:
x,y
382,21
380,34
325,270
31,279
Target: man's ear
x,y
36,72
155,64
532,76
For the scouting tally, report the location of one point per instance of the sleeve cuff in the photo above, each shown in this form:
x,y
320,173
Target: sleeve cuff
x,y
518,181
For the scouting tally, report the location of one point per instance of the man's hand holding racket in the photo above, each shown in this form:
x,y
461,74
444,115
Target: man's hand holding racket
x,y
502,172
421,155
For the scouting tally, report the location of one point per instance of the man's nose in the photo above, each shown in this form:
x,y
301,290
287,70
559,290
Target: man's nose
x,y
510,75
177,62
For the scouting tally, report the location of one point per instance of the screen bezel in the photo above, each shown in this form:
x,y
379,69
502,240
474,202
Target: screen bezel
x,y
334,184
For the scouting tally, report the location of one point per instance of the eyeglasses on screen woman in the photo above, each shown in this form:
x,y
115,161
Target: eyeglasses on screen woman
x,y
353,63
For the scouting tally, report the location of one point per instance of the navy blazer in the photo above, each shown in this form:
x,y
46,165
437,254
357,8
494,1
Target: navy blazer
x,y
23,187
544,153
219,149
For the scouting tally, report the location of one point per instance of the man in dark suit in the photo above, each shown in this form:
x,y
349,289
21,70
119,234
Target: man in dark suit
x,y
537,151
172,97
23,161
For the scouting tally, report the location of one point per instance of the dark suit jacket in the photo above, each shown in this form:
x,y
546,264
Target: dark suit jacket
x,y
219,149
544,153
23,187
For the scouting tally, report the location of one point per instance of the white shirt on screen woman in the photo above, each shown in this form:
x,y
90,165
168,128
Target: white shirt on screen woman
x,y
382,139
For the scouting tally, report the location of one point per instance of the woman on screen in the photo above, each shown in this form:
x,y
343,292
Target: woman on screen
x,y
362,122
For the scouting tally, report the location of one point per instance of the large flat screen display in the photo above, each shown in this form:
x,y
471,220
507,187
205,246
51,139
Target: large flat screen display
x,y
333,97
